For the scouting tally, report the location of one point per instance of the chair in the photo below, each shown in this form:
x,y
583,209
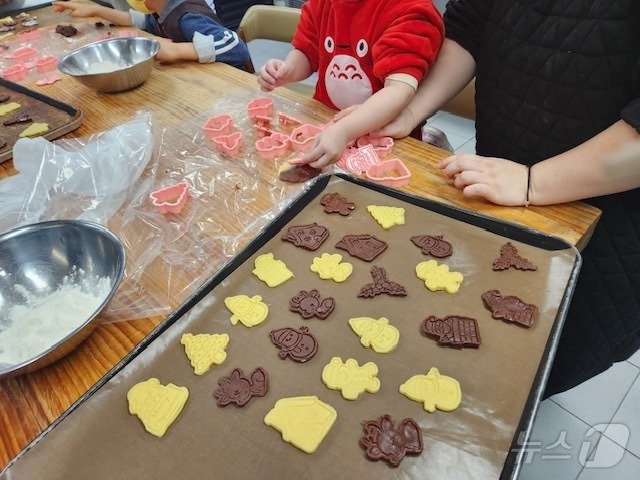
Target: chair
x,y
269,22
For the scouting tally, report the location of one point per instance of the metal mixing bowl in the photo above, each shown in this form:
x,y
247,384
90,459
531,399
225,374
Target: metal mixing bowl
x,y
36,259
112,65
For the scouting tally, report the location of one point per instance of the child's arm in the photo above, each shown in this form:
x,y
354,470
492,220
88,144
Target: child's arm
x,y
380,108
82,10
586,171
276,73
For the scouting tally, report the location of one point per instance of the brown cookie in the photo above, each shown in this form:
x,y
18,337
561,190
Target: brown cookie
x,y
336,203
365,247
299,345
2,144
22,117
381,440
66,30
298,173
99,25
309,304
453,330
381,285
239,389
435,246
509,308
4,97
309,237
509,258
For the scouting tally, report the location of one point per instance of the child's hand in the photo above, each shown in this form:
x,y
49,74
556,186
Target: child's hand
x,y
274,73
400,127
76,9
327,149
495,179
168,51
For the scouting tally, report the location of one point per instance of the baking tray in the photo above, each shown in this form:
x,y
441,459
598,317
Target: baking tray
x,y
61,117
502,381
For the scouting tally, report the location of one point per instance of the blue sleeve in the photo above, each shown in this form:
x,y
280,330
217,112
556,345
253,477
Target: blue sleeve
x,y
150,24
212,41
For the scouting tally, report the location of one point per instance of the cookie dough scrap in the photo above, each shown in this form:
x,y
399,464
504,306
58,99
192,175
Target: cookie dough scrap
x,y
387,217
331,267
438,277
377,334
350,378
157,406
35,129
271,271
302,421
204,350
434,391
248,311
7,108
382,441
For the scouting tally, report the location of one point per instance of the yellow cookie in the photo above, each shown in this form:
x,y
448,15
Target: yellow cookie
x,y
271,271
387,217
7,108
35,129
434,390
438,277
204,350
7,20
331,267
377,334
248,311
303,421
350,378
155,405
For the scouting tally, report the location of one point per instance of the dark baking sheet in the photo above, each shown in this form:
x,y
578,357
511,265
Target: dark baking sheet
x,y
61,117
501,381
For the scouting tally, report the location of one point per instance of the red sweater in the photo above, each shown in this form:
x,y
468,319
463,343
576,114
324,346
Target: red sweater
x,y
354,45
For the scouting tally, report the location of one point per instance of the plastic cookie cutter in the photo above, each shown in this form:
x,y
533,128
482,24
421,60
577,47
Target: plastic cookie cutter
x,y
383,145
15,73
218,125
263,131
303,136
29,35
229,144
272,146
286,120
261,106
128,33
46,64
360,160
171,199
392,173
23,54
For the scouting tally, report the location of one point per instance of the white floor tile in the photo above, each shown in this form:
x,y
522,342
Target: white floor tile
x,y
456,141
469,147
555,445
611,462
629,415
597,400
447,122
635,359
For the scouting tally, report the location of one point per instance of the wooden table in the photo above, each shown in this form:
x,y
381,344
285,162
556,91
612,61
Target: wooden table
x,y
174,93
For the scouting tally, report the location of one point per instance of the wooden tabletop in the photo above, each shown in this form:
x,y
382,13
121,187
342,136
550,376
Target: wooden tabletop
x,y
175,94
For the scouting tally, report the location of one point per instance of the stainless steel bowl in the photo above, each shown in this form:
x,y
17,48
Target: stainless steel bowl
x,y
112,65
34,261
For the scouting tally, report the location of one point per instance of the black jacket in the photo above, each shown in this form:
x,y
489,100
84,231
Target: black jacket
x,y
550,75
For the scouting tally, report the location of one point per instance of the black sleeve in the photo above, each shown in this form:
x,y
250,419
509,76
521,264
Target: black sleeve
x,y
631,114
465,21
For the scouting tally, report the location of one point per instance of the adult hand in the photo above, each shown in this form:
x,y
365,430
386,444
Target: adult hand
x,y
497,180
327,148
274,73
400,127
80,10
343,113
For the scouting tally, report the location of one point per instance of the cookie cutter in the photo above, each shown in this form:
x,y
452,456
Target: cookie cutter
x,y
262,106
261,120
273,146
392,173
218,125
48,80
128,33
29,35
383,145
229,144
15,73
170,199
303,136
46,64
286,120
359,160
22,54
263,131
